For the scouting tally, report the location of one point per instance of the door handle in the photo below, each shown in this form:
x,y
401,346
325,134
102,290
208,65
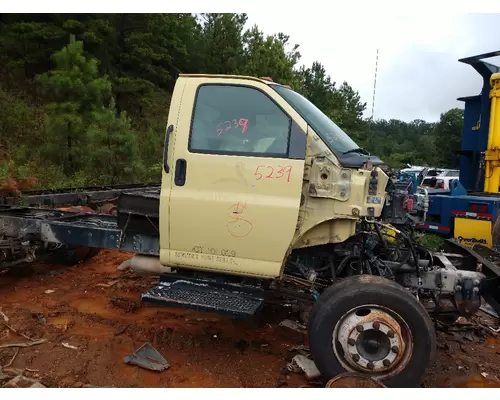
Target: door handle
x,y
180,172
165,148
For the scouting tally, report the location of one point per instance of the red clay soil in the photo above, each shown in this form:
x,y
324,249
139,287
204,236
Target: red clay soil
x,y
70,305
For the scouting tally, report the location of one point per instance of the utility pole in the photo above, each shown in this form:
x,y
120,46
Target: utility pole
x,y
374,86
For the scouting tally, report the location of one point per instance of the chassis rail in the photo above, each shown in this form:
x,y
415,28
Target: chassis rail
x,y
73,229
76,196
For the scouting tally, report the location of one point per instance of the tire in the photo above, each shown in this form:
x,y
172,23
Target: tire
x,y
376,299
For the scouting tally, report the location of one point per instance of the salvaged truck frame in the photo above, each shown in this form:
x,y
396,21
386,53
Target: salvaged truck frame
x,y
342,229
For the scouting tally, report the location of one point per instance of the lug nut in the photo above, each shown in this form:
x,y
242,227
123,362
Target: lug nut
x,y
390,334
359,328
355,357
370,365
395,349
351,342
376,325
386,362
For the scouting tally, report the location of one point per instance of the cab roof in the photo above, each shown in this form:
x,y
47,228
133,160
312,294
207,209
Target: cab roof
x,y
266,80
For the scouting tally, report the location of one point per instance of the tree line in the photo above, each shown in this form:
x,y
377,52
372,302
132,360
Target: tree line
x,y
84,97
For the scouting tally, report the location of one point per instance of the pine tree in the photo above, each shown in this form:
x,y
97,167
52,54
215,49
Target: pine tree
x,y
114,156
75,91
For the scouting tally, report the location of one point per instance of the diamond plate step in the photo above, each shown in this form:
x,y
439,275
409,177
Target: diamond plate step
x,y
204,297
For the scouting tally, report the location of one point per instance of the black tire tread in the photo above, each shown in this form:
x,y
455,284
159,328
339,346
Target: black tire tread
x,y
352,290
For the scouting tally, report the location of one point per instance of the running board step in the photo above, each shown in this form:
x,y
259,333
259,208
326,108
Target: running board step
x,y
205,297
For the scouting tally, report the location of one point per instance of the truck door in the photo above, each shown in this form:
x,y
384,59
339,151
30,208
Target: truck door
x,y
238,166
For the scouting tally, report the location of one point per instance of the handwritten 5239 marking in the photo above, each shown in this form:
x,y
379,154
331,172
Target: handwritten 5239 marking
x,y
227,125
268,172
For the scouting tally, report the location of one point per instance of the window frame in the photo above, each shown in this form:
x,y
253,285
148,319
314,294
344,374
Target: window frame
x,y
285,155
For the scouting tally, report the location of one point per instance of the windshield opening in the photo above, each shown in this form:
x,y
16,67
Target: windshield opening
x,y
335,138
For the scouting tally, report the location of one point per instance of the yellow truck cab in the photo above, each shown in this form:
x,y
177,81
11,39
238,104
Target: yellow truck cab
x,y
254,170
263,196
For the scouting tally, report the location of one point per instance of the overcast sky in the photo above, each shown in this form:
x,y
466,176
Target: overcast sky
x,y
419,75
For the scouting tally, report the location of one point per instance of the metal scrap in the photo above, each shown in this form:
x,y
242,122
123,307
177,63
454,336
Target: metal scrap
x,y
354,380
485,307
288,323
301,349
292,367
307,365
147,357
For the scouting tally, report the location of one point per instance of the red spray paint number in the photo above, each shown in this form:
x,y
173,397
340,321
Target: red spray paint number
x,y
234,124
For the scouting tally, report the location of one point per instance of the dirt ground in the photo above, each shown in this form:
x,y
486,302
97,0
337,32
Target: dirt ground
x,y
103,323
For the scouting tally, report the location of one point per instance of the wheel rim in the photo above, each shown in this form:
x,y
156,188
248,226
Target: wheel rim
x,y
373,340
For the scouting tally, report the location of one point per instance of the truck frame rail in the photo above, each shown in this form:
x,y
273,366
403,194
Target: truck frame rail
x,y
75,196
73,229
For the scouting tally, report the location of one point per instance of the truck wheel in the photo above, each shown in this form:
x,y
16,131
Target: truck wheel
x,y
371,325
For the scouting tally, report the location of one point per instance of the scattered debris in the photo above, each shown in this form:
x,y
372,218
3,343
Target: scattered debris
x,y
94,320
288,323
469,335
147,357
488,309
292,367
306,365
15,330
18,371
4,377
353,380
484,374
16,352
49,291
109,284
463,321
5,318
26,344
301,349
40,317
21,381
69,346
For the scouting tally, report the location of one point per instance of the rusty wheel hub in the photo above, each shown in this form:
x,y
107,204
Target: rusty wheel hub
x,y
373,340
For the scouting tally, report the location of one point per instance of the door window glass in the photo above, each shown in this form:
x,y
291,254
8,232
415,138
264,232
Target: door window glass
x,y
238,120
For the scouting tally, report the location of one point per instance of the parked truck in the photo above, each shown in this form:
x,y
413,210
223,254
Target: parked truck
x,y
262,195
